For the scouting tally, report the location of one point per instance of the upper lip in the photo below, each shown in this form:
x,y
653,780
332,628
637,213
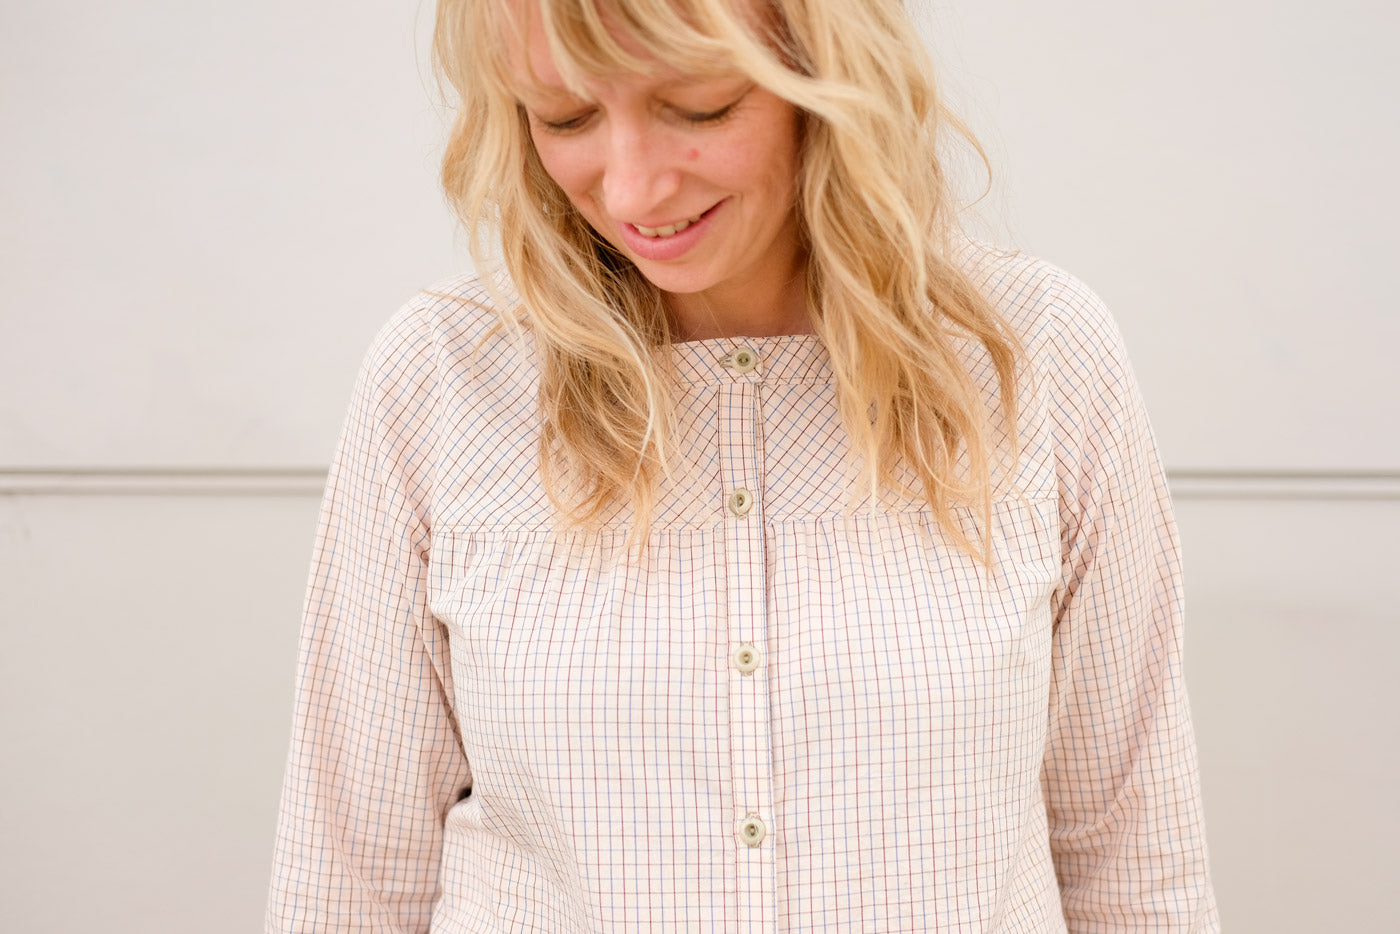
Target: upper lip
x,y
673,221
667,225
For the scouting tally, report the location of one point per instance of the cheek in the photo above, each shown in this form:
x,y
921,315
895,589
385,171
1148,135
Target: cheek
x,y
565,164
769,161
773,149
771,155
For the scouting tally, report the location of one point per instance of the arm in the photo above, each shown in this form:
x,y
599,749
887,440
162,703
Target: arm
x,y
376,759
1121,781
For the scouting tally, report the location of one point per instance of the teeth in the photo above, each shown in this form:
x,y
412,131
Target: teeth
x,y
669,230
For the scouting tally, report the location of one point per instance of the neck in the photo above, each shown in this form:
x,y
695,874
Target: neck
x,y
767,309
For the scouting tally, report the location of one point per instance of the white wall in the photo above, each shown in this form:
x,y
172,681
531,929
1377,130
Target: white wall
x,y
206,211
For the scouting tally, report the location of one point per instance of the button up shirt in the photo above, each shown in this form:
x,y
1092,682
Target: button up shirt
x,y
786,712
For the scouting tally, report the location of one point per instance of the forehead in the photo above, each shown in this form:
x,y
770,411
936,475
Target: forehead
x,y
562,45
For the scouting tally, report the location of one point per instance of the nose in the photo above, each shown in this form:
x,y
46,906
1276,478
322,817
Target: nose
x,y
639,175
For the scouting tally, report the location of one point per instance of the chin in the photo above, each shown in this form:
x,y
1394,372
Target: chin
x,y
675,281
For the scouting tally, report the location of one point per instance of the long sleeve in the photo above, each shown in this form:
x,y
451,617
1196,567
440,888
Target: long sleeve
x,y
376,757
1120,776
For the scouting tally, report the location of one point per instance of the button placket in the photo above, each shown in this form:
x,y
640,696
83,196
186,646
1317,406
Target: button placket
x,y
750,729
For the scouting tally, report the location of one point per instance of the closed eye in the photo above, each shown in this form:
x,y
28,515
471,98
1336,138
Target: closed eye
x,y
572,124
709,118
714,116
563,126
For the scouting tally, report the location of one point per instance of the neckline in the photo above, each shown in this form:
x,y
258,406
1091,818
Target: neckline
x,y
781,357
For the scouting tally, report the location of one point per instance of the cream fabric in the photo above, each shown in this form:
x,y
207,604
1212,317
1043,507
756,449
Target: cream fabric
x,y
915,745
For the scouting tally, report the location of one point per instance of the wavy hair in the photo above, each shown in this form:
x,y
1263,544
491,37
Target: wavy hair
x,y
875,210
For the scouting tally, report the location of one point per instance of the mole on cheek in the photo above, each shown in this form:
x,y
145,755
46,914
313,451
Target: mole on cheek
x,y
693,155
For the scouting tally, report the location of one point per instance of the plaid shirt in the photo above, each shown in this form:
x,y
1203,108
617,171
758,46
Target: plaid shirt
x,y
784,714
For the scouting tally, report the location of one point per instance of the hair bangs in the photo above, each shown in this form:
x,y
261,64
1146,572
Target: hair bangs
x,y
592,38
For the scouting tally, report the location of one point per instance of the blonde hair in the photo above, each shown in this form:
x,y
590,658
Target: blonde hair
x,y
875,210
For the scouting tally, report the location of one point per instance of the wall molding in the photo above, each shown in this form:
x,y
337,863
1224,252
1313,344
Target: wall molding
x,y
308,481
157,481
1286,485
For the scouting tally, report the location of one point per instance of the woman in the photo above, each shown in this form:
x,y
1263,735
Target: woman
x,y
749,551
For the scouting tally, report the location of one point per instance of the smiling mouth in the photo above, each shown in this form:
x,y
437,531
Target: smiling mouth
x,y
670,230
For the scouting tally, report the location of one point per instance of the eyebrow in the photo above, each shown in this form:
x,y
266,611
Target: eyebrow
x,y
536,92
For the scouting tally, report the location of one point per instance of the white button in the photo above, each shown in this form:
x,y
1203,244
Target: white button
x,y
744,359
740,502
745,659
752,830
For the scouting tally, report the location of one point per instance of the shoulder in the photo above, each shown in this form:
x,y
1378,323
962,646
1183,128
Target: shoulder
x,y
465,308
447,393
1070,337
465,321
1038,300
1081,413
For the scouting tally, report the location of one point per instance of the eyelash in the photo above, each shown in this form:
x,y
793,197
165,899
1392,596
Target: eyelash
x,y
714,116
697,119
562,126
